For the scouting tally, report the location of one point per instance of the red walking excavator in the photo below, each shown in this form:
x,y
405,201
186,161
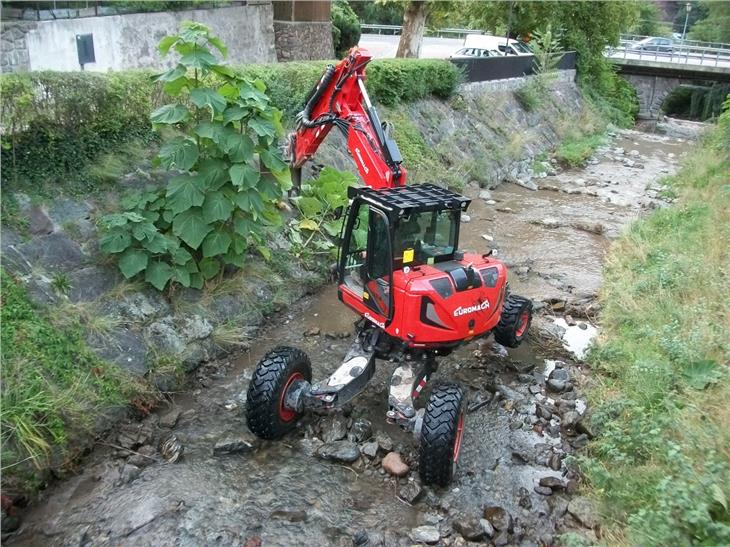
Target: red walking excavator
x,y
401,270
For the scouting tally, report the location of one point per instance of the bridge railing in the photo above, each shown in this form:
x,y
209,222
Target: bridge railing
x,y
633,38
368,28
677,52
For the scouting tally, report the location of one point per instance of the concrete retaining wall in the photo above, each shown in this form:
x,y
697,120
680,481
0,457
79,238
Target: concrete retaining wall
x,y
130,41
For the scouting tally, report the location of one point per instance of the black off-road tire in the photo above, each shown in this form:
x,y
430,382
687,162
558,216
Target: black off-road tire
x,y
514,321
441,434
265,414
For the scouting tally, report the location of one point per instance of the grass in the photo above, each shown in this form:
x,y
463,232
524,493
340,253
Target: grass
x,y
576,149
660,463
53,385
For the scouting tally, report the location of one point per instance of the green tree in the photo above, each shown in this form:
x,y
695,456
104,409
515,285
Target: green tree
x,y
715,27
345,27
229,173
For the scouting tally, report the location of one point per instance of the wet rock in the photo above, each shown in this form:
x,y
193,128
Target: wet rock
x,y
361,430
233,445
339,451
552,482
580,441
465,218
543,412
486,527
590,227
394,465
333,428
128,473
144,456
468,526
543,490
485,194
172,449
569,320
314,331
499,517
253,541
555,462
411,492
480,400
504,209
384,441
487,237
525,502
292,515
502,539
548,222
535,389
370,449
360,538
582,510
570,419
509,393
425,534
170,419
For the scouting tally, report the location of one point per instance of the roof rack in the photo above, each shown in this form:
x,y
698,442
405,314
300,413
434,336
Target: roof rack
x,y
418,197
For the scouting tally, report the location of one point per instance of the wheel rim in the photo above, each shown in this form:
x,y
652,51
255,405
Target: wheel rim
x,y
459,435
287,414
522,323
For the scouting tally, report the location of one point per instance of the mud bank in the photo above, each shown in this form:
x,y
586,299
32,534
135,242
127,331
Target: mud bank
x,y
514,484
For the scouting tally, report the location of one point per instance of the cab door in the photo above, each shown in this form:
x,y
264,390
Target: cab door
x,y
366,264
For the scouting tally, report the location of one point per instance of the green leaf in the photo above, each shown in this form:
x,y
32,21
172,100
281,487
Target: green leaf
x,y
143,230
156,244
179,153
265,252
132,262
250,201
170,75
224,70
239,244
239,147
166,43
190,226
170,113
234,258
196,280
273,160
181,275
217,207
700,374
209,267
308,224
181,256
198,57
216,243
244,176
219,45
252,94
205,97
242,226
184,192
115,241
262,127
214,172
309,206
332,227
175,87
235,113
158,274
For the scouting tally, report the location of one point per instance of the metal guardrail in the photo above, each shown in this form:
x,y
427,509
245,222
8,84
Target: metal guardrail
x,y
633,38
482,69
678,53
395,30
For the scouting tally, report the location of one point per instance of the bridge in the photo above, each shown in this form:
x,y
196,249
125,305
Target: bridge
x,y
655,73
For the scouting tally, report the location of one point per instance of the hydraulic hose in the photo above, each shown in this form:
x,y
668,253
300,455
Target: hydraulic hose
x,y
314,96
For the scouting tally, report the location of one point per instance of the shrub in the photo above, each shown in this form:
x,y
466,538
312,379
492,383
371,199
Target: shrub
x,y
55,123
220,202
345,27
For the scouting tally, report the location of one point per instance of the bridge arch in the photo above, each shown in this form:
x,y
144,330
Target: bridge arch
x,y
651,92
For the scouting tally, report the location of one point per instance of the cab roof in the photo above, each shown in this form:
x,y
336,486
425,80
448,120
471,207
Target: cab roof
x,y
404,200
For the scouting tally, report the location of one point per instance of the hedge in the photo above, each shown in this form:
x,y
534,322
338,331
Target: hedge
x,y
54,124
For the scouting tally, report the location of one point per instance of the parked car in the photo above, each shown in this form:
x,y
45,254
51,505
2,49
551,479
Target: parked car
x,y
497,44
472,52
653,43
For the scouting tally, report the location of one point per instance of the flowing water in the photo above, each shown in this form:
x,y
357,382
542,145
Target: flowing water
x,y
279,493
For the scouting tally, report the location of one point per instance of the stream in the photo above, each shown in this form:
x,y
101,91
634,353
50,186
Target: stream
x,y
513,485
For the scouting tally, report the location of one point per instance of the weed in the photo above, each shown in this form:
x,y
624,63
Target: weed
x,y
576,149
61,283
231,335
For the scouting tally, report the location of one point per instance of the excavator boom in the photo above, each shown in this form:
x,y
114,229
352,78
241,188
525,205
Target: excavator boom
x,y
340,99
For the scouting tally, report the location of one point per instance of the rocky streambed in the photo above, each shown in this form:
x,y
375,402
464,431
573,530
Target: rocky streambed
x,y
193,475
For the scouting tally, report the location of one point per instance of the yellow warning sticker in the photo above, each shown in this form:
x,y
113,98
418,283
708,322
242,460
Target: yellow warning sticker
x,y
407,256
365,296
429,260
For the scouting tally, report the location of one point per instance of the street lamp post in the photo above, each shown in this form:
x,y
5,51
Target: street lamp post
x,y
688,6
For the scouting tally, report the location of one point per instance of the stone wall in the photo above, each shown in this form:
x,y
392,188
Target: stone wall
x,y
14,53
303,40
130,41
651,92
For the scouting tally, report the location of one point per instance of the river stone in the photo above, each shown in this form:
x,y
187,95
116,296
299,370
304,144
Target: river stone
x,y
233,445
582,510
486,527
292,515
570,419
499,517
170,419
333,428
339,451
128,473
361,430
145,455
384,441
411,492
468,526
485,194
394,465
425,534
370,449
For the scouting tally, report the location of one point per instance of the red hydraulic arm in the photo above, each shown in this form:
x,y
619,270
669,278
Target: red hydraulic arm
x,y
340,99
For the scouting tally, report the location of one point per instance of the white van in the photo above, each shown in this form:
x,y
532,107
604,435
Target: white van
x,y
498,43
